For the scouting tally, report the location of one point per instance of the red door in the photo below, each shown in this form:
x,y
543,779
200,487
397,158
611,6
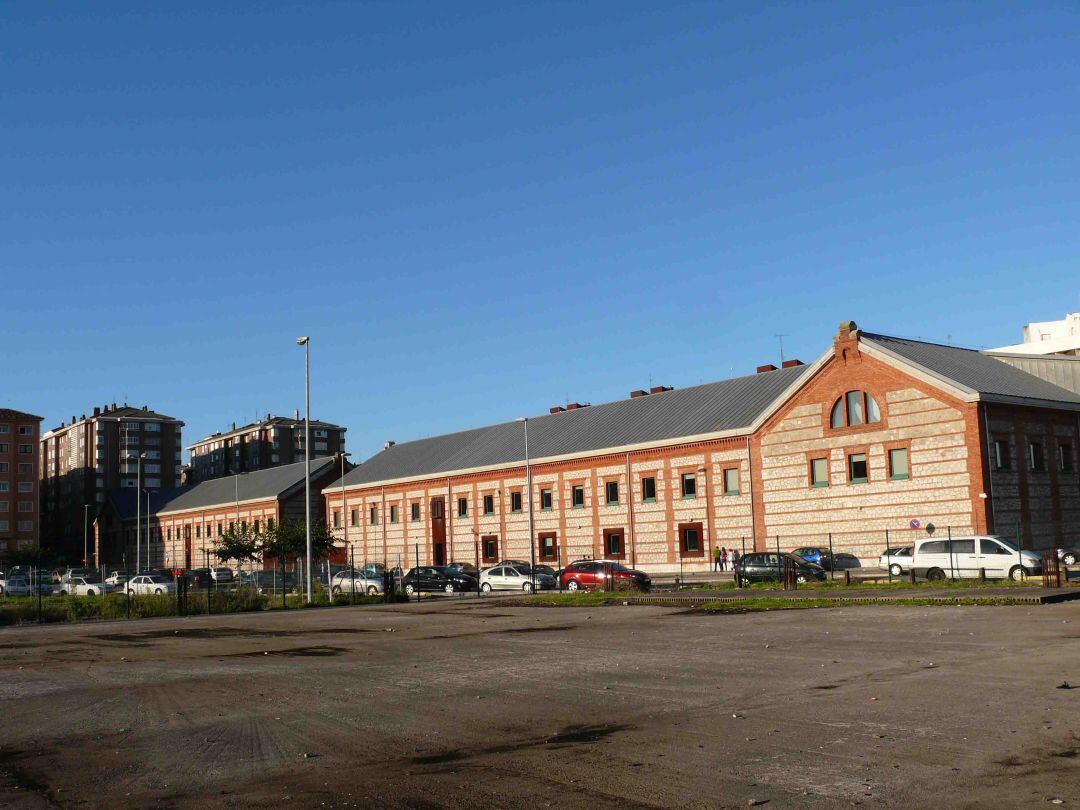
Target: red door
x,y
187,553
438,531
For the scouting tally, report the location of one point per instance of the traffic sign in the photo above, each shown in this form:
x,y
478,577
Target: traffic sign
x,y
915,524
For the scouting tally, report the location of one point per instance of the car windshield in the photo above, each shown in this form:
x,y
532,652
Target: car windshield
x,y
1009,544
156,578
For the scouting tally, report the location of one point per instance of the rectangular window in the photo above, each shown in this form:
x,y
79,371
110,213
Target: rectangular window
x,y
648,490
26,506
3,466
415,511
1001,455
462,507
354,517
1036,457
577,496
489,548
731,481
393,513
545,500
489,504
690,540
819,472
549,550
26,486
898,464
26,430
611,492
1065,457
614,548
26,525
4,506
689,485
26,449
337,519
373,515
25,467
857,470
515,501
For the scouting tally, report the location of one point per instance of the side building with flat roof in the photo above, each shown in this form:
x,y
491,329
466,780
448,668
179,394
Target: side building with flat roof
x,y
270,442
20,507
879,441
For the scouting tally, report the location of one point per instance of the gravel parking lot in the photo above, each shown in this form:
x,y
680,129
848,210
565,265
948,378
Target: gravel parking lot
x,y
457,702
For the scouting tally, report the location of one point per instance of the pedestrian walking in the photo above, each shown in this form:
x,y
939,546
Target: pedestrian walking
x,y
717,559
723,558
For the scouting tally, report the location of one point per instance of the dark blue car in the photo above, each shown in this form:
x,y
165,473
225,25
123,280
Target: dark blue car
x,y
819,556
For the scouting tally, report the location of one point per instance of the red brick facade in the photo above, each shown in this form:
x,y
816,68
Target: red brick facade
x,y
20,524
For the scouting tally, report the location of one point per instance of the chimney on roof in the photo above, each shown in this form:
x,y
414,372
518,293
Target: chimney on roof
x,y
766,368
73,419
638,393
97,411
390,443
113,406
573,406
659,389
145,408
556,409
234,425
82,418
791,363
297,417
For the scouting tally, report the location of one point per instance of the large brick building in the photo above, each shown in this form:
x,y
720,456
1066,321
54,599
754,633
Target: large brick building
x,y
878,435
19,505
270,442
84,460
179,527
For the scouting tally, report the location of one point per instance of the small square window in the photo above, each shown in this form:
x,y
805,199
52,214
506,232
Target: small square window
x,y
648,490
414,511
898,464
1001,455
611,492
462,507
337,520
354,517
393,513
373,515
489,504
577,496
819,472
545,500
515,501
731,481
690,540
1035,457
689,485
613,544
489,548
1065,457
857,469
549,550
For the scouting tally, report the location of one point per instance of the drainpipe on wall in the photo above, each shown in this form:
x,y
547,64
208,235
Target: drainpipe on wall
x,y
385,558
989,468
630,507
753,517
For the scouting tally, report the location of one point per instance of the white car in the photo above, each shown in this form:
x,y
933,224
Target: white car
x,y
150,584
513,578
15,586
896,561
962,557
116,579
346,582
83,586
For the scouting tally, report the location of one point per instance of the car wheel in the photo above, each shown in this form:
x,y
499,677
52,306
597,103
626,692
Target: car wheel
x,y
1017,573
572,585
410,590
486,587
527,587
935,575
801,579
91,592
158,591
337,589
449,587
63,593
895,570
1069,559
372,590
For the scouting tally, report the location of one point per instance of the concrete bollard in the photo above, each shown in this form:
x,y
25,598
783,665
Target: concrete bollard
x,y
847,577
982,575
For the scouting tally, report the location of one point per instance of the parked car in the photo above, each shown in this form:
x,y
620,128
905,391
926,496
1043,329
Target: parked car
x,y
464,568
199,578
896,561
843,561
268,581
222,574
83,586
356,582
766,566
116,578
820,556
600,574
514,578
962,557
1069,556
14,586
429,578
150,584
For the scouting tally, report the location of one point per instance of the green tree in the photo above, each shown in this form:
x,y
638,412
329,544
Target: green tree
x,y
288,541
238,543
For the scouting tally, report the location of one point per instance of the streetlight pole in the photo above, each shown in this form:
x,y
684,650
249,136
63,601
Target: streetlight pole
x,y
528,483
138,508
85,531
306,343
345,518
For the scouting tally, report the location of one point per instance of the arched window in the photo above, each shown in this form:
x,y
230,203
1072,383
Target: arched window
x,y
853,409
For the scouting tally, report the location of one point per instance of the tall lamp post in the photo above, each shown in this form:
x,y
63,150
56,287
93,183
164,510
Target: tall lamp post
x,y
345,519
306,343
138,508
528,482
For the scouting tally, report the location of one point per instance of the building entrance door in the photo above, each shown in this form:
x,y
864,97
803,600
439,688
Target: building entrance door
x,y
438,531
187,553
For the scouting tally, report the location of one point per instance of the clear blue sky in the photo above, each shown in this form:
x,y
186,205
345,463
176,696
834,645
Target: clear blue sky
x,y
478,210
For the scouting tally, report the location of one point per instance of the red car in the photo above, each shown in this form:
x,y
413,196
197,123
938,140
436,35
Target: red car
x,y
599,574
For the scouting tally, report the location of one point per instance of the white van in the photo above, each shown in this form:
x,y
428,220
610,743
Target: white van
x,y
962,557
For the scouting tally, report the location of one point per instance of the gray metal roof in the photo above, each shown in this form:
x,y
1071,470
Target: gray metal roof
x,y
974,370
251,486
1059,369
720,406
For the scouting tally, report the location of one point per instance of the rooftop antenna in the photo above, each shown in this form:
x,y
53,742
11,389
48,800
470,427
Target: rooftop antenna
x,y
781,338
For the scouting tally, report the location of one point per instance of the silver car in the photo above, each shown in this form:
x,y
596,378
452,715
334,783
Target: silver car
x,y
359,581
514,578
15,586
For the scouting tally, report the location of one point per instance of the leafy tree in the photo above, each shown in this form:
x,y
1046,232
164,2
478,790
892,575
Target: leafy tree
x,y
288,540
238,543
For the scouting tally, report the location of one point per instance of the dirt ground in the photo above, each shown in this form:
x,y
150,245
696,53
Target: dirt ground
x,y
464,703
